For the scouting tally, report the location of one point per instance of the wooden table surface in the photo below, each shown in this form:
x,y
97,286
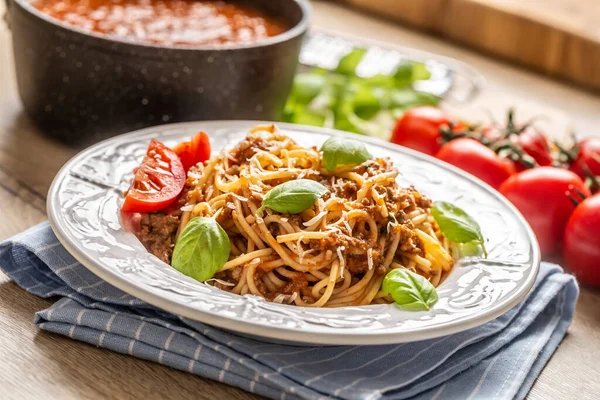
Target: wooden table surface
x,y
35,364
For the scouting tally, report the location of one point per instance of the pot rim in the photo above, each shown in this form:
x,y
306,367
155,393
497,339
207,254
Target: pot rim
x,y
296,31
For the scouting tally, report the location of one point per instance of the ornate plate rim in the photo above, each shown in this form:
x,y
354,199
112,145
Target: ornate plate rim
x,y
275,333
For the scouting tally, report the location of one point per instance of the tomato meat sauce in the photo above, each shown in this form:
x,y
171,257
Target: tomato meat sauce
x,y
168,22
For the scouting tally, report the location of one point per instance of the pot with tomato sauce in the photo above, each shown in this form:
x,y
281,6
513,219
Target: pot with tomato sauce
x,y
87,69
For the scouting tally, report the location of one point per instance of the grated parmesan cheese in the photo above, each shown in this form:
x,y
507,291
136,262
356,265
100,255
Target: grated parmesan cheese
x,y
220,281
315,219
342,260
240,198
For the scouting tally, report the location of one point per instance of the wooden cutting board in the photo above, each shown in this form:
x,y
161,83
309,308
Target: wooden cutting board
x,y
558,37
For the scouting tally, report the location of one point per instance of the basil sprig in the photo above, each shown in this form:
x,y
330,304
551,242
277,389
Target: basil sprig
x,y
293,197
457,225
343,151
409,290
202,249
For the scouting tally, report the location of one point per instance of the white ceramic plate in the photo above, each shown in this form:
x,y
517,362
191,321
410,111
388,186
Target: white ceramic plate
x,y
83,207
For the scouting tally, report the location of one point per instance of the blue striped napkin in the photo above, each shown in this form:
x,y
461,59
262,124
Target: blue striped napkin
x,y
498,360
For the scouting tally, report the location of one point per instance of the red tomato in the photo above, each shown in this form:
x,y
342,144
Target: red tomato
x,y
156,182
588,154
419,129
132,222
492,133
534,143
191,153
582,241
541,195
477,159
185,154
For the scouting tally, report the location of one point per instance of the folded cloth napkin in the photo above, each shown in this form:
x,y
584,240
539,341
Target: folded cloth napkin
x,y
500,359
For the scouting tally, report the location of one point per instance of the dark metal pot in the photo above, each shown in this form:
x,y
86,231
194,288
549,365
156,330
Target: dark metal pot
x,y
80,86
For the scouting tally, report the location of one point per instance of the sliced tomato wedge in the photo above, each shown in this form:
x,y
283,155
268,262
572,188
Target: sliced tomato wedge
x,y
185,154
195,151
157,182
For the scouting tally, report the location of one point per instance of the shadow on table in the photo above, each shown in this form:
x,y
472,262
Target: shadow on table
x,y
28,156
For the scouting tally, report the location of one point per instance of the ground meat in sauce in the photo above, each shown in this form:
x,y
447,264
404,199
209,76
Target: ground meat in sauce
x,y
247,148
157,234
409,241
297,284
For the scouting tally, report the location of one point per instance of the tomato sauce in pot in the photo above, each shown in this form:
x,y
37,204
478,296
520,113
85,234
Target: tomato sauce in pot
x,y
167,22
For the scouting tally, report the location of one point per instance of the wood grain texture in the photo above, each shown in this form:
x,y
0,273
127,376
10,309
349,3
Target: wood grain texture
x,y
558,37
36,364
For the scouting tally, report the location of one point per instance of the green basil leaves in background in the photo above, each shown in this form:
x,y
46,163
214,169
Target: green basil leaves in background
x,y
458,226
202,249
409,290
347,65
343,151
293,197
346,101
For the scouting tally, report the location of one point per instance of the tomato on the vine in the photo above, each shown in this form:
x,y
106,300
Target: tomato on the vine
x,y
542,196
156,182
195,151
535,144
582,241
588,156
419,129
477,159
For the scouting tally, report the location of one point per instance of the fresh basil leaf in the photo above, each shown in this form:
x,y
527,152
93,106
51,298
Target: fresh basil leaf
x,y
470,249
348,63
293,197
406,98
343,151
409,72
457,225
289,111
380,80
307,86
420,72
202,249
365,104
305,116
404,75
409,290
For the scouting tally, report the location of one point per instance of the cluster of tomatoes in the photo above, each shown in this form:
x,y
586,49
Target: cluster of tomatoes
x,y
551,186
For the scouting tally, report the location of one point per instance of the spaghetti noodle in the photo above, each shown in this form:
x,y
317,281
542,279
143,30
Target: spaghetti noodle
x,y
335,253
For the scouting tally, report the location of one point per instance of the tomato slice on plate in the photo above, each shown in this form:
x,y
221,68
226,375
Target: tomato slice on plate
x,y
157,182
184,151
195,151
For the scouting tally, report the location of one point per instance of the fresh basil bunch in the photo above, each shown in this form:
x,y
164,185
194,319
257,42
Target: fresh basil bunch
x,y
293,197
202,249
343,100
